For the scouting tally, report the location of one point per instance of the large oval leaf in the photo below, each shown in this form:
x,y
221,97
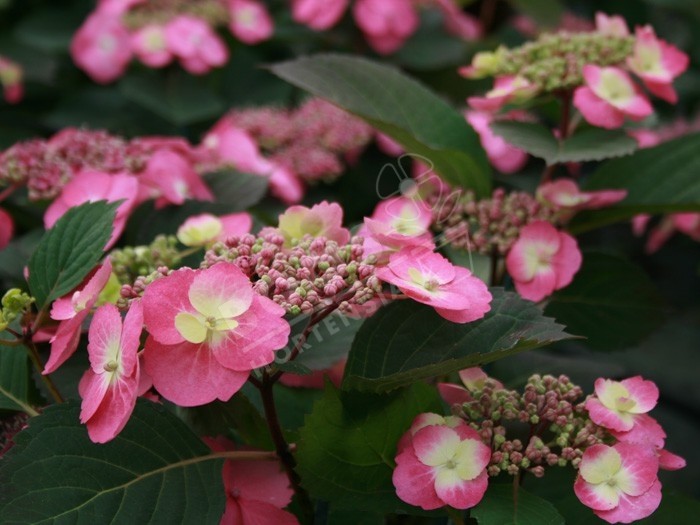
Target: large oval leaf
x,y
155,471
399,106
407,341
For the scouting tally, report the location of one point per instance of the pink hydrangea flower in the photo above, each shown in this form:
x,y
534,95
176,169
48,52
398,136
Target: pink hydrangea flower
x,y
232,145
387,24
613,25
101,47
150,46
256,490
170,178
503,156
657,63
204,229
457,22
250,21
196,44
506,90
11,75
396,223
565,194
620,482
442,466
423,420
618,402
609,96
285,185
7,228
472,378
431,279
208,329
92,186
318,14
321,220
109,388
72,311
542,260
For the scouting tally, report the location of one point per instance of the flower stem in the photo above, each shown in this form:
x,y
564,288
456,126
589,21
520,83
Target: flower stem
x,y
39,366
455,516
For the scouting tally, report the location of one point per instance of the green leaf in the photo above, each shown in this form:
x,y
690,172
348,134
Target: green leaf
x,y
14,256
155,471
400,107
15,378
178,97
49,29
611,301
498,508
69,250
348,444
547,13
591,144
663,179
328,343
407,341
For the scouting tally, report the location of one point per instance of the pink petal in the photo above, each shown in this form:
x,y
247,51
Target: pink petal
x,y
591,497
318,14
597,111
263,481
646,431
250,21
567,260
7,228
92,389
641,464
453,394
115,409
644,392
465,494
65,342
222,288
259,513
415,482
670,461
235,225
105,332
163,300
633,508
607,418
188,374
541,286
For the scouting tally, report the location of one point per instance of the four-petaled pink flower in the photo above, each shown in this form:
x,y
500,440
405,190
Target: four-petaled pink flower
x,y
503,156
657,63
396,223
208,329
72,310
387,24
565,195
318,14
321,220
429,278
613,25
542,260
620,482
101,47
442,465
609,96
196,44
150,46
506,90
617,403
205,229
110,386
250,21
170,178
7,228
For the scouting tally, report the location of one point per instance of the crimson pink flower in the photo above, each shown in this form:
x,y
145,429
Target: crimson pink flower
x,y
620,482
72,310
92,186
7,228
657,63
318,14
457,22
321,220
150,46
232,145
171,179
429,278
506,90
109,388
618,402
387,24
256,490
542,260
208,329
396,223
609,96
196,44
101,47
565,194
204,229
250,21
442,466
503,156
613,25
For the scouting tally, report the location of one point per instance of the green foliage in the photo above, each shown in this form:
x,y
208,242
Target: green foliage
x,y
69,250
407,341
15,378
612,302
155,471
586,145
398,106
545,12
348,443
500,508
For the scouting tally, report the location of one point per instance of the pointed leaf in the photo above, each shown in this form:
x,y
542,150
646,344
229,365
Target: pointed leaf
x,y
499,508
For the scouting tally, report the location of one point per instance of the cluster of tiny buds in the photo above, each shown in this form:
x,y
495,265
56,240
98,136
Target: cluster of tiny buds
x,y
485,226
313,271
134,290
551,423
131,262
160,12
314,141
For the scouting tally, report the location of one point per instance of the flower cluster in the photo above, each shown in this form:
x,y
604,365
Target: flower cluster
x,y
13,305
593,65
605,436
11,80
386,24
161,31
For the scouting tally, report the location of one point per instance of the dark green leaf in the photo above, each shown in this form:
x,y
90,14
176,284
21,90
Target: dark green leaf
x,y
177,96
398,106
498,508
612,302
547,13
14,257
587,145
348,443
407,341
69,250
155,471
328,343
15,377
49,29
